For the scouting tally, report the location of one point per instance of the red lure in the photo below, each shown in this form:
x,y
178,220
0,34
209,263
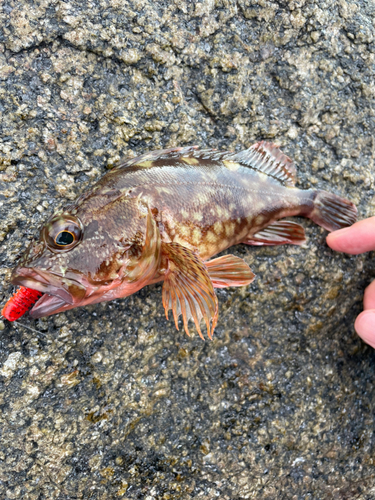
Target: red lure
x,y
21,302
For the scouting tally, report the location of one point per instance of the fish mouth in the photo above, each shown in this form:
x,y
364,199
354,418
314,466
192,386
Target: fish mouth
x,y
55,298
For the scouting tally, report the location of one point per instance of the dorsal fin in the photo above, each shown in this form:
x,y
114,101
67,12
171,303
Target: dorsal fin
x,y
159,154
174,153
266,157
263,156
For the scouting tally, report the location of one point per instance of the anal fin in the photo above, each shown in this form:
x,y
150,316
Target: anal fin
x,y
280,232
187,288
229,270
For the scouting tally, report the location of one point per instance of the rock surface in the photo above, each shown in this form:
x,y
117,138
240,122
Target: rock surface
x,y
110,401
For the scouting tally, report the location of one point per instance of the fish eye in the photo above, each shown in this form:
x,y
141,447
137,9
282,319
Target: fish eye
x,y
64,238
62,233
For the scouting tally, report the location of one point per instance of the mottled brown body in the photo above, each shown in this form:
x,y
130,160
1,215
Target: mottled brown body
x,y
161,217
207,205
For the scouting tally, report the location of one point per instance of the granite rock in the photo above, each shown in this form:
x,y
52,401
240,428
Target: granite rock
x,y
109,401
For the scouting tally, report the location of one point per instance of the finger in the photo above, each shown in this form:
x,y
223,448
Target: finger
x,y
369,297
365,326
358,238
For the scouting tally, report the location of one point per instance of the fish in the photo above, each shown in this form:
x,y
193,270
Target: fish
x,y
161,217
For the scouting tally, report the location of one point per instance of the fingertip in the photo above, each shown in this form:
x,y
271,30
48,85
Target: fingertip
x,y
365,326
358,238
337,240
369,297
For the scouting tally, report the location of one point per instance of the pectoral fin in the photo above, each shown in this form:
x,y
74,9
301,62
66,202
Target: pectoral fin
x,y
229,270
279,233
187,289
144,268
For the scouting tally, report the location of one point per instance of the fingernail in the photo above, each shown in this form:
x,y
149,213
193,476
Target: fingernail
x,y
365,326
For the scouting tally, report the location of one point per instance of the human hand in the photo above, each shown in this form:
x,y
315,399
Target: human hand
x,y
359,238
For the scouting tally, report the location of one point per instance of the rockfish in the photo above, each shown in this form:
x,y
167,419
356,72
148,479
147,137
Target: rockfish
x,y
161,217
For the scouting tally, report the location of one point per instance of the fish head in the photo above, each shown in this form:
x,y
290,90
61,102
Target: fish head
x,y
76,261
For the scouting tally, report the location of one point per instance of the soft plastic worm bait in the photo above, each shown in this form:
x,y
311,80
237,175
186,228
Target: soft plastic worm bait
x,y
21,302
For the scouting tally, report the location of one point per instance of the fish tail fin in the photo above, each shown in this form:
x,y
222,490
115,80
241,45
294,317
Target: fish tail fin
x,y
332,212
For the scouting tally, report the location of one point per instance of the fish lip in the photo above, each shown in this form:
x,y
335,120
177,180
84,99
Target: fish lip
x,y
44,282
47,305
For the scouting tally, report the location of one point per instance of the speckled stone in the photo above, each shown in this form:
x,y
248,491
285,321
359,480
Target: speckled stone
x,y
109,401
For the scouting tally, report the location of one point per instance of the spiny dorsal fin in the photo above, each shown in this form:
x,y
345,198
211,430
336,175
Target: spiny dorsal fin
x,y
174,153
160,154
266,157
263,156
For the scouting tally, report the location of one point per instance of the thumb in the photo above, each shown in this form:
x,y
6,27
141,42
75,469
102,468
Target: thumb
x,y
365,326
